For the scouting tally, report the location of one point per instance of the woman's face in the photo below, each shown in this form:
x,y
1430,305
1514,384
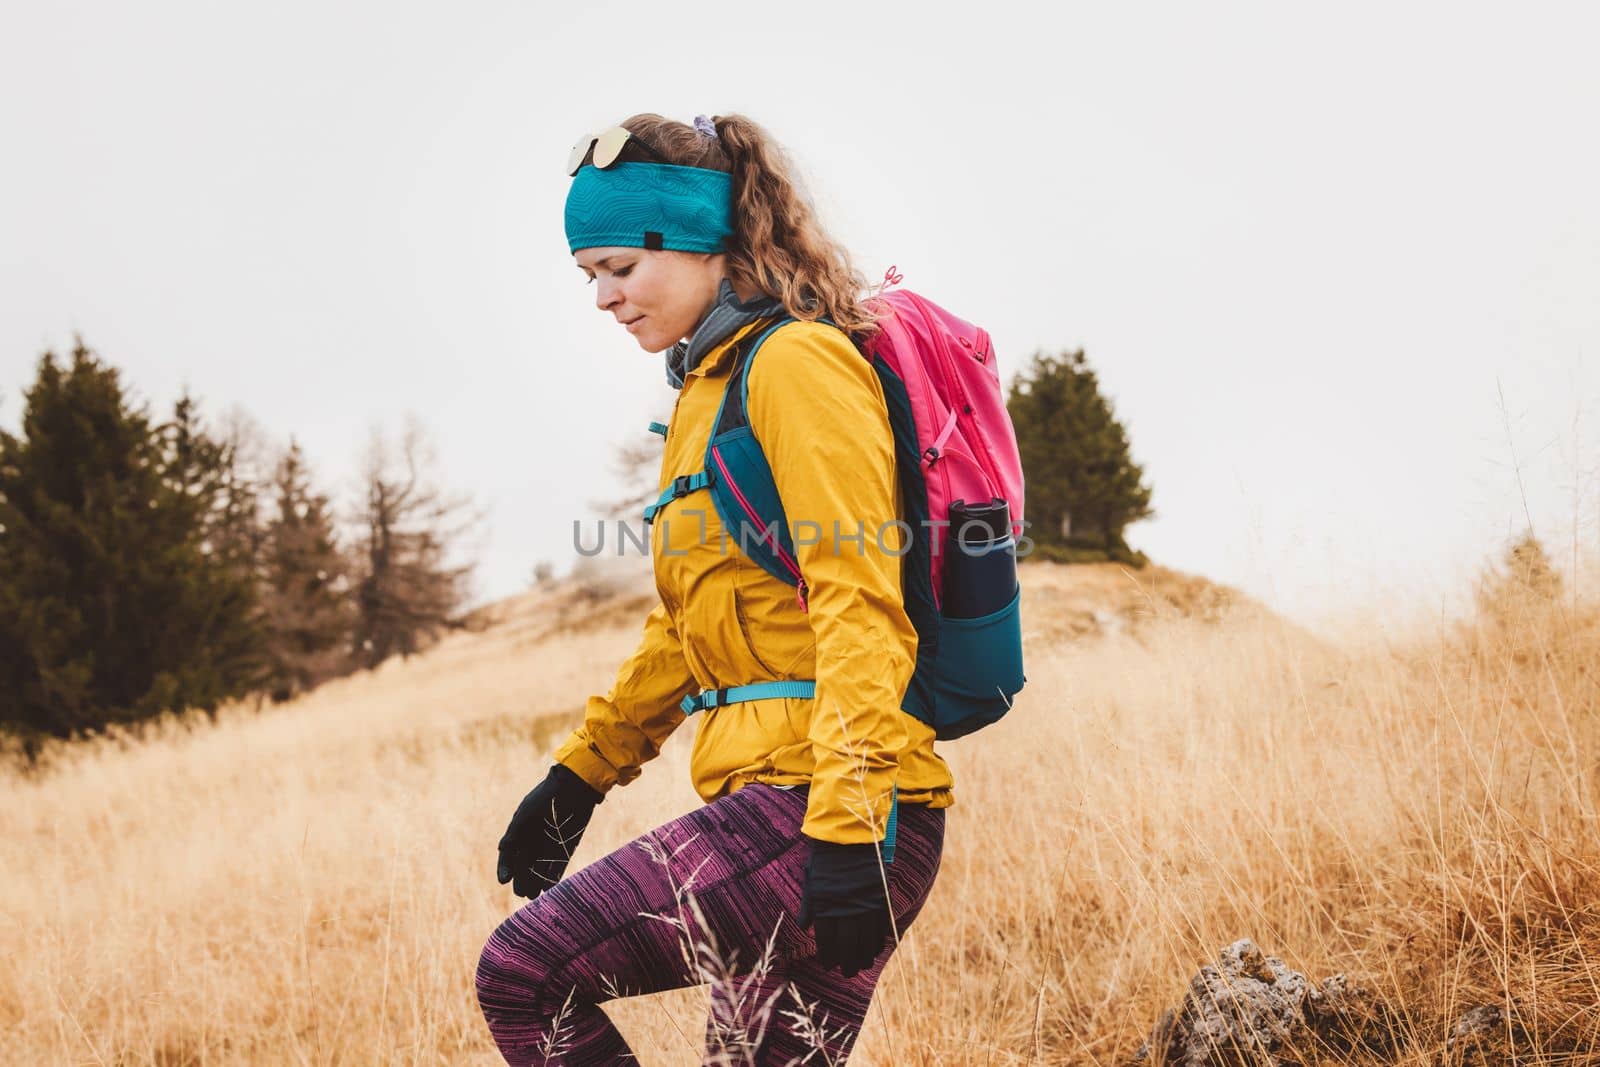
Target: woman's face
x,y
659,296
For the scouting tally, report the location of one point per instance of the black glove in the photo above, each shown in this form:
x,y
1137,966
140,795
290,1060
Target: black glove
x,y
845,902
544,831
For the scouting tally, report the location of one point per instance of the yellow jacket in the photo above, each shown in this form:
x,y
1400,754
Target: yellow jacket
x,y
818,409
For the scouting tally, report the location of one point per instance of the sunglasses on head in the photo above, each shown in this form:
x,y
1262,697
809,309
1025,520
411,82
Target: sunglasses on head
x,y
607,147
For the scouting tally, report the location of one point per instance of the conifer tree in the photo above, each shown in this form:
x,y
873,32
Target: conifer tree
x,y
408,590
81,473
1083,487
215,510
111,608
238,528
308,609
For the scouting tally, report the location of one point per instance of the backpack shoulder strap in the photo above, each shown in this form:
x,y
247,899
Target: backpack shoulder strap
x,y
743,489
735,409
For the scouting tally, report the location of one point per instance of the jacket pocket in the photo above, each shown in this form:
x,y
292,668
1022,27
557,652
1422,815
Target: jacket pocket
x,y
745,572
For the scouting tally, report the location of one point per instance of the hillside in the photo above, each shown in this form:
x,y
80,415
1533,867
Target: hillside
x,y
312,883
1061,601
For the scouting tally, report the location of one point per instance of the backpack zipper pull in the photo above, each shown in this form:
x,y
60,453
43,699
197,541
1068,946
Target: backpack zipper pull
x,y
800,595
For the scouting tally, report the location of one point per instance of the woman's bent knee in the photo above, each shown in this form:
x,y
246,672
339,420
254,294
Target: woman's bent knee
x,y
516,979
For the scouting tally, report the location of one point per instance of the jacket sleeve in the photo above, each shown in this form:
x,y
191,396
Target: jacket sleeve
x,y
817,407
627,726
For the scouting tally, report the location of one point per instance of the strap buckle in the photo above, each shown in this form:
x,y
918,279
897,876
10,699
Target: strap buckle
x,y
680,486
705,700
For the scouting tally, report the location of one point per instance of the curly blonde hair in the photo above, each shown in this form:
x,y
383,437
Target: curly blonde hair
x,y
778,246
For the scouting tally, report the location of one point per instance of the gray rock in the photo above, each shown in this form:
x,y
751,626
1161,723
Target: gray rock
x,y
1250,1008
1244,1008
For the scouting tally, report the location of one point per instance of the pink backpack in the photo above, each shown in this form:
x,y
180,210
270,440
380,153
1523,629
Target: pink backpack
x,y
966,444
954,442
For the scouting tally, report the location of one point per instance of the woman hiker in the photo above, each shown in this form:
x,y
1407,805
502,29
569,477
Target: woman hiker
x,y
696,240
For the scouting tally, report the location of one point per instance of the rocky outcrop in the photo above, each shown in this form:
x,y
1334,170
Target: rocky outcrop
x,y
1250,1008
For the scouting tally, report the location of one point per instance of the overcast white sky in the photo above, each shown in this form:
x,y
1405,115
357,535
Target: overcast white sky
x,y
1306,250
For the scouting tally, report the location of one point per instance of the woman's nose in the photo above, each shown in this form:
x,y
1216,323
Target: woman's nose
x,y
606,295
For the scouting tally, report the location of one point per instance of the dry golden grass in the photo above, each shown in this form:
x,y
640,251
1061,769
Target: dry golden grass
x,y
312,883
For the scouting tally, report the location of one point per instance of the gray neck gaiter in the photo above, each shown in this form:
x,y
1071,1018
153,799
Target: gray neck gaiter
x,y
726,317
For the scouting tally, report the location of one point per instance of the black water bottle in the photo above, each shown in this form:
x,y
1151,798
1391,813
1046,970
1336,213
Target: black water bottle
x,y
980,568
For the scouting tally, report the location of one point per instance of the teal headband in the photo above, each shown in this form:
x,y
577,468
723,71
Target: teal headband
x,y
650,205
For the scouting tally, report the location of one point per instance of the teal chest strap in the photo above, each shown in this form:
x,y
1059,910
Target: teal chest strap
x,y
682,485
716,698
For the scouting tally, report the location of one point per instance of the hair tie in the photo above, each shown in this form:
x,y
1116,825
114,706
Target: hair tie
x,y
705,126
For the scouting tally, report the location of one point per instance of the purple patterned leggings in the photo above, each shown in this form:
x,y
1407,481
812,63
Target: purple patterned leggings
x,y
710,897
